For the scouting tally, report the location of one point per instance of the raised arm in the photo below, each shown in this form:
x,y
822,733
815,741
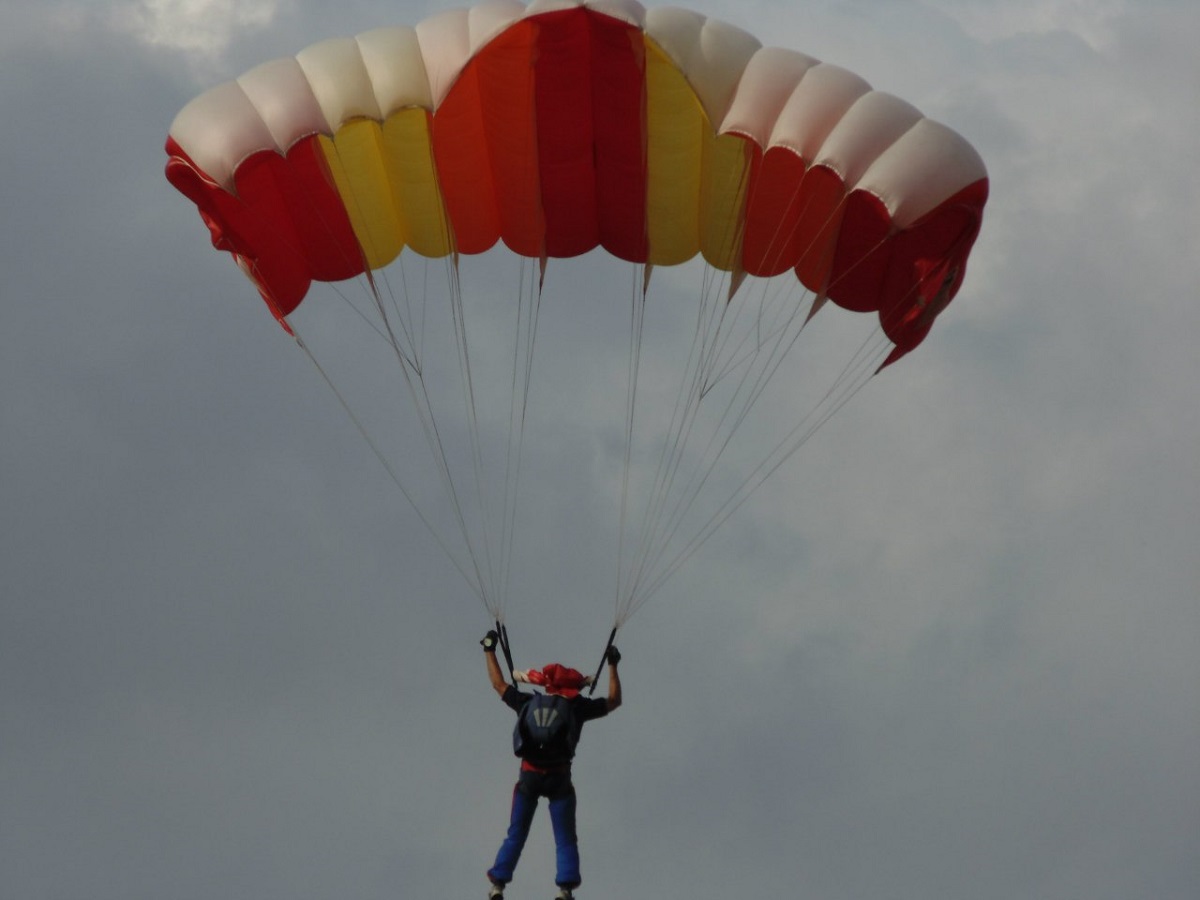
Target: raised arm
x,y
614,679
495,676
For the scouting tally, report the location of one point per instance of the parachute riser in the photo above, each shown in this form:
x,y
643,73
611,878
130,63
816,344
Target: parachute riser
x,y
600,668
502,631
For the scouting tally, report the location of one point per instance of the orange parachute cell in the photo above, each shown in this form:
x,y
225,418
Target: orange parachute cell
x,y
557,128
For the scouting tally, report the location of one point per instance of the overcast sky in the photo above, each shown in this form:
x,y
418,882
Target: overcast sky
x,y
950,653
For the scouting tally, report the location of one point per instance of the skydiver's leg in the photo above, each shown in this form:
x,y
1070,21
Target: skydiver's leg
x,y
566,843
524,805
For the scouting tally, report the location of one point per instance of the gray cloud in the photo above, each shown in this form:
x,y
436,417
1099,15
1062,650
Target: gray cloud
x,y
948,652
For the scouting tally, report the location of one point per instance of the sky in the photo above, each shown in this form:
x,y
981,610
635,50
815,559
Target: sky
x,y
949,652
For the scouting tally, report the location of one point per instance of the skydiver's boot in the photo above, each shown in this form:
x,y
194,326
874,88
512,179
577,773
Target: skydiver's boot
x,y
496,891
564,894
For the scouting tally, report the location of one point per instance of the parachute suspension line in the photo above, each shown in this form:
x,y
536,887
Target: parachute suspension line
x,y
762,333
498,562
773,314
317,214
855,376
369,277
711,318
712,337
410,366
758,354
512,452
682,418
468,386
733,237
778,341
637,306
419,394
528,309
629,577
776,336
756,375
366,319
717,352
471,579
667,521
408,322
852,379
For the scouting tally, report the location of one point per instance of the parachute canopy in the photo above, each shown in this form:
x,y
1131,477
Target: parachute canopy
x,y
559,127
555,129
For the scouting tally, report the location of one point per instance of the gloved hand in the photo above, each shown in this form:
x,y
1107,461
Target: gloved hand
x,y
613,656
489,641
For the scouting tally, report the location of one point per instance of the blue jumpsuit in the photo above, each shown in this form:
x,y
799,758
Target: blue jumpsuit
x,y
554,783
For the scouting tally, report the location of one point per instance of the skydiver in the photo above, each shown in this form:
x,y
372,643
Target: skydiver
x,y
546,767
